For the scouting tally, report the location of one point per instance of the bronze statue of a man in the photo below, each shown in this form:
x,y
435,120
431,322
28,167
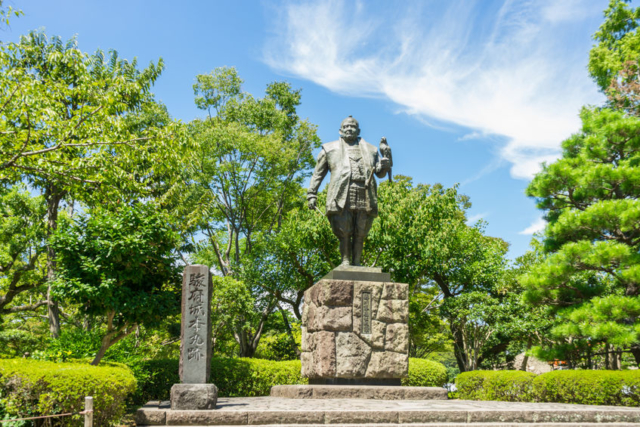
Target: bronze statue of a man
x,y
352,201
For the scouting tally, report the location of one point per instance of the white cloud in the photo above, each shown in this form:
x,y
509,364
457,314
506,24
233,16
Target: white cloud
x,y
512,71
475,218
537,225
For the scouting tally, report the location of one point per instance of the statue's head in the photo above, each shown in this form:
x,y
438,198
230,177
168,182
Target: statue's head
x,y
349,129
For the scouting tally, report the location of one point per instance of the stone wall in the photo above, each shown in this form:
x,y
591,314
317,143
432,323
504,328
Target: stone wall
x,y
355,329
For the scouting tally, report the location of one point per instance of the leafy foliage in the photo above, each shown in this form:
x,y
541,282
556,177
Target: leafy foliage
x,y
120,264
22,247
619,388
425,373
32,388
506,386
591,275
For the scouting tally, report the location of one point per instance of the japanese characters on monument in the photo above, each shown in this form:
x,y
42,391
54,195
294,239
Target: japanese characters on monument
x,y
195,347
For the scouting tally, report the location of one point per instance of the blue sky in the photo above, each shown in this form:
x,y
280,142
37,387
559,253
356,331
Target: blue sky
x,y
475,92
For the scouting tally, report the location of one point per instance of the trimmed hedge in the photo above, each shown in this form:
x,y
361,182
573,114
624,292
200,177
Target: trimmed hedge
x,y
425,373
618,388
233,377
255,377
31,388
506,386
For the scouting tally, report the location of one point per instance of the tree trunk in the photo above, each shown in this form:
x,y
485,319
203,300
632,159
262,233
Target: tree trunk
x,y
294,346
52,196
458,348
110,339
635,350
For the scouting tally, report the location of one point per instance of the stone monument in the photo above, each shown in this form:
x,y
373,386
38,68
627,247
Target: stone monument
x,y
355,320
195,392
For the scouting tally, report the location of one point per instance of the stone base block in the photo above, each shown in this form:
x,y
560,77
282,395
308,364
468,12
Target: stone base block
x,y
313,391
355,330
191,397
268,411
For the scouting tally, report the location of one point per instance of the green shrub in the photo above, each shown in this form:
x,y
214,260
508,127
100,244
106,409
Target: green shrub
x,y
506,386
253,377
32,387
425,373
155,378
619,388
232,376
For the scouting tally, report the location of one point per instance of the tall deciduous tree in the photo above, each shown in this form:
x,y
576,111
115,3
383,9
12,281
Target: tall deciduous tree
x,y
420,237
248,160
121,265
66,127
591,274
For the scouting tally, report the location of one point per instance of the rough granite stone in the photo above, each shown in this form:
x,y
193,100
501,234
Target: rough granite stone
x,y
334,348
397,338
334,318
393,311
336,293
352,355
386,364
395,291
376,338
308,366
193,396
324,354
150,417
312,295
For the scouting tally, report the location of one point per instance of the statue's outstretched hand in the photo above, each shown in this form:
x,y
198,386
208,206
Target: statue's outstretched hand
x,y
312,203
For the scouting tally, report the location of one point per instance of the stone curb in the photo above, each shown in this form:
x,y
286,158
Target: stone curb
x,y
358,392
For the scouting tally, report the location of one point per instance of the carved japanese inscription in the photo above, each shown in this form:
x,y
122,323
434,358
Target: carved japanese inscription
x,y
366,312
196,325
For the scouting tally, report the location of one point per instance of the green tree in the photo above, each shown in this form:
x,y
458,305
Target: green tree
x,y
420,236
244,171
121,265
22,248
591,272
67,128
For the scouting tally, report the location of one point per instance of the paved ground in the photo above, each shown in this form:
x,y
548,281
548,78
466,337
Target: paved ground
x,y
262,411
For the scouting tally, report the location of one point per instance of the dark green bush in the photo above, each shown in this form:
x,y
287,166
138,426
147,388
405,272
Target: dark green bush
x,y
233,377
32,387
155,378
253,377
506,386
425,373
619,388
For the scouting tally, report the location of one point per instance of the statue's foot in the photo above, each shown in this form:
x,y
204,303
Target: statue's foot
x,y
345,262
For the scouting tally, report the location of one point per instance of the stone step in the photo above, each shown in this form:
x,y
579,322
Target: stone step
x,y
271,411
314,391
441,425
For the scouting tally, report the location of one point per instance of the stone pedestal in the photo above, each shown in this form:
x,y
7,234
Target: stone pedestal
x,y
188,397
355,330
